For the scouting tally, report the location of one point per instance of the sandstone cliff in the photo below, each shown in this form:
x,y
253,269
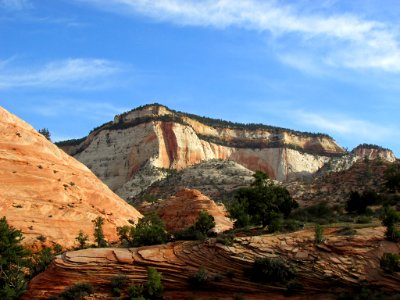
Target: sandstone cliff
x,y
45,192
373,152
338,264
181,210
154,136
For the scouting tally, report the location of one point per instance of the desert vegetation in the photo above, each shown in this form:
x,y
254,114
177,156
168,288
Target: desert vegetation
x,y
263,203
17,264
263,207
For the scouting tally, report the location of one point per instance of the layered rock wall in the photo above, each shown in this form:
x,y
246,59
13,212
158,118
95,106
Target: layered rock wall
x,y
339,264
155,136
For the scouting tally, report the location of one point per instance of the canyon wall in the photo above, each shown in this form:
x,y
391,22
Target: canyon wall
x,y
157,137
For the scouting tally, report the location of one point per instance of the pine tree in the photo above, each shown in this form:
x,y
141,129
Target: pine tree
x,y
13,262
98,232
82,238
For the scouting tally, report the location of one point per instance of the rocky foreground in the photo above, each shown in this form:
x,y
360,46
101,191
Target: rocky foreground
x,y
338,264
49,195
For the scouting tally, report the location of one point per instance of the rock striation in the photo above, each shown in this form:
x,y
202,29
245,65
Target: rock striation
x,y
156,137
181,210
45,192
323,270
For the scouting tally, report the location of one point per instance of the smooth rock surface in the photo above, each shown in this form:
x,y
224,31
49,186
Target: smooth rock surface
x,y
45,192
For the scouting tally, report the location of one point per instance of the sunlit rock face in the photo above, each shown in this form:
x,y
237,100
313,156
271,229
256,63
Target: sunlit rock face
x,y
45,192
154,137
181,210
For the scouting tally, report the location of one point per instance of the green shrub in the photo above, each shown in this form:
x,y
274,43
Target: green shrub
x,y
41,238
390,262
392,233
254,205
190,234
41,260
13,260
199,279
271,270
319,234
291,225
392,177
77,291
390,219
276,222
98,232
135,292
226,239
319,213
82,239
204,223
150,230
358,203
199,230
118,282
154,287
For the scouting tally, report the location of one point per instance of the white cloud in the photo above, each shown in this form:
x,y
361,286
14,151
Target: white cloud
x,y
77,73
90,109
302,62
342,40
346,126
15,4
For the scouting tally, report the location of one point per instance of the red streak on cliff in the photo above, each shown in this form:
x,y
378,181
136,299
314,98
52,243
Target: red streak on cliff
x,y
171,144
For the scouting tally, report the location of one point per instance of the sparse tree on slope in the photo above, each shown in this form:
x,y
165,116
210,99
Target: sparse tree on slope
x,y
13,262
98,232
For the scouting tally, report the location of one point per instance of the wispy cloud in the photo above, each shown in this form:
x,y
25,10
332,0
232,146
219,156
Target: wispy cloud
x,y
77,108
342,40
76,73
15,5
346,126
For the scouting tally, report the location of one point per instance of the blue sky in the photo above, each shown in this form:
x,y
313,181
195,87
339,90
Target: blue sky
x,y
321,66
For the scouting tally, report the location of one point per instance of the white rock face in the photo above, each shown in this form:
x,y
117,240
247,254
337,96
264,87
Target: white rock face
x,y
132,154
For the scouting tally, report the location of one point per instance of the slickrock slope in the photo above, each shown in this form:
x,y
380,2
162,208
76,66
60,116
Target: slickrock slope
x,y
181,211
324,270
46,192
214,178
154,136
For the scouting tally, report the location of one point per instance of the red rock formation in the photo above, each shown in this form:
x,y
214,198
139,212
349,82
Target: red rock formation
x,y
44,191
181,211
324,270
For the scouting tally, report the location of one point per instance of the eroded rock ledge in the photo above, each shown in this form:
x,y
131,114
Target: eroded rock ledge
x,y
339,263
